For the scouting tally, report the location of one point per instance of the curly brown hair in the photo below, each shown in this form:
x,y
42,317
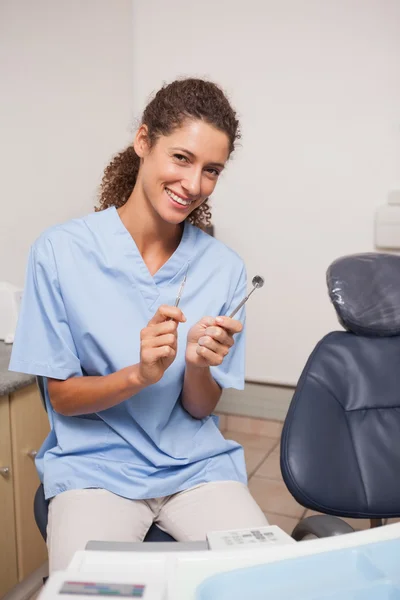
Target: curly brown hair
x,y
173,104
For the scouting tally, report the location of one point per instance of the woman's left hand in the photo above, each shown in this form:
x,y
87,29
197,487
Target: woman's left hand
x,y
210,340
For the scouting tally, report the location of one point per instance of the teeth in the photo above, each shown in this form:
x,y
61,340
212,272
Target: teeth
x,y
177,198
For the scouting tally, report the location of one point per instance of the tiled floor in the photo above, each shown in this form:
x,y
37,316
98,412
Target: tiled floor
x,y
260,440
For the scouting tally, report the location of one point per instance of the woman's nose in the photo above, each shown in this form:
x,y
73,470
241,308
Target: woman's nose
x,y
192,184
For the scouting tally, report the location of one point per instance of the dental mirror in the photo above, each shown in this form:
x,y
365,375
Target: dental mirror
x,y
257,282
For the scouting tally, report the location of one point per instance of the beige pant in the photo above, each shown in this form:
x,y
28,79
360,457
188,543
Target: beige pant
x,y
77,516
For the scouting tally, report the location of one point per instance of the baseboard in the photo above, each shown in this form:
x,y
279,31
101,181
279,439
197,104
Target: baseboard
x,y
257,400
30,585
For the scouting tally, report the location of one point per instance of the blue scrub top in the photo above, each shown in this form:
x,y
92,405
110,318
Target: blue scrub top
x,y
87,295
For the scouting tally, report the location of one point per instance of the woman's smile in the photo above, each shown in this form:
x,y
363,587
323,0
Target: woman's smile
x,y
177,199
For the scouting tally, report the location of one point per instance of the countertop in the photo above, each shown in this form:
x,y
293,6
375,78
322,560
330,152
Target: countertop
x,y
9,381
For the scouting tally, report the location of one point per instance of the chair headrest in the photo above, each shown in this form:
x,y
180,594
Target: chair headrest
x,y
365,291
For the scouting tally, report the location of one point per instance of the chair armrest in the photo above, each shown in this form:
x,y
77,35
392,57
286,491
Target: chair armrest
x,y
320,526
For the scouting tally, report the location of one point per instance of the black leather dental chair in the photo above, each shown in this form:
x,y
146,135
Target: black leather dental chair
x,y
340,445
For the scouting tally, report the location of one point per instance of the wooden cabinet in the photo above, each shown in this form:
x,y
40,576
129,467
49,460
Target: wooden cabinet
x,y
29,427
23,427
8,551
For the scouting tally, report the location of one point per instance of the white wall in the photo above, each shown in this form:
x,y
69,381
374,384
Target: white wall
x,y
65,108
317,84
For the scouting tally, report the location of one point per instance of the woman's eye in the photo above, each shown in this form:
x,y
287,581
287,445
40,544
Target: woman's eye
x,y
180,157
213,172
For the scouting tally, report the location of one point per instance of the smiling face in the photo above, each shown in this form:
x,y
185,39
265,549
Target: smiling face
x,y
180,171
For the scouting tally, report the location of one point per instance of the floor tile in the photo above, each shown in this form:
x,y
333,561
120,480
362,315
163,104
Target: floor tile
x,y
270,468
272,496
36,594
265,427
285,523
356,524
250,440
254,458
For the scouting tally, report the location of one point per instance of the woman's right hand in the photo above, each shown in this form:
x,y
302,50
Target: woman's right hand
x,y
158,343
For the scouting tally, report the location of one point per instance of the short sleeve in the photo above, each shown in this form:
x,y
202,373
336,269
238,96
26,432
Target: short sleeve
x,y
231,373
43,343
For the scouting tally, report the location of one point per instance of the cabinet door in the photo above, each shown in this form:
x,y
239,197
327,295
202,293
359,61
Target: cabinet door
x,y
29,427
8,553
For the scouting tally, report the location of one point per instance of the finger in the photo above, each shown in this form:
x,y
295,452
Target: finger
x,y
152,355
220,335
159,329
169,339
207,321
208,342
165,312
232,325
213,359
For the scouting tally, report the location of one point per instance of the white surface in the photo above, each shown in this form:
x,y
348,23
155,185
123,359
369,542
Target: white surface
x,y
186,570
10,297
394,197
317,86
387,228
65,109
238,539
387,224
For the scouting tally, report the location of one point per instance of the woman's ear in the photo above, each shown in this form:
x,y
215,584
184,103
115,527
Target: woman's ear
x,y
141,141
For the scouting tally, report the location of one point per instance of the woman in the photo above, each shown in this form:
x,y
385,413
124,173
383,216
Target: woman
x,y
131,379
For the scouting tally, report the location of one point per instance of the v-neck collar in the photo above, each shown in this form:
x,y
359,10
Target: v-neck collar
x,y
171,268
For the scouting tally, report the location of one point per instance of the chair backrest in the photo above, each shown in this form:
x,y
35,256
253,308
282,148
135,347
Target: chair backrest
x,y
340,446
40,384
